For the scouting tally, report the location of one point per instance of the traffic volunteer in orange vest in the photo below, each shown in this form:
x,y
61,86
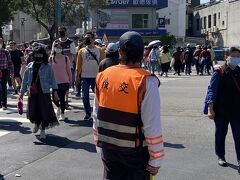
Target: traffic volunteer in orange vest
x,y
127,126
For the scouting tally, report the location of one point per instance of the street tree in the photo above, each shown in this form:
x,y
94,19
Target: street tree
x,y
44,12
6,14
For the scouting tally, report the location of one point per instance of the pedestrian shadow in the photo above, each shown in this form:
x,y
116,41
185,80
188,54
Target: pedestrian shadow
x,y
233,166
11,125
175,146
63,142
74,123
2,177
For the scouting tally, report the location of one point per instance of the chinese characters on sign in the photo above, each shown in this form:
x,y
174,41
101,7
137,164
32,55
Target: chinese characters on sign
x,y
139,3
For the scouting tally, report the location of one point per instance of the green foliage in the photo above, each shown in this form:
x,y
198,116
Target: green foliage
x,y
168,39
6,13
43,11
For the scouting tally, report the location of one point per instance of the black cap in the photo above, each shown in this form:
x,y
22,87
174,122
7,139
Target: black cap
x,y
132,44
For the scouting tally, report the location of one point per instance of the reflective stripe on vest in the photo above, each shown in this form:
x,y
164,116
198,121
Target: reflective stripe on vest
x,y
119,91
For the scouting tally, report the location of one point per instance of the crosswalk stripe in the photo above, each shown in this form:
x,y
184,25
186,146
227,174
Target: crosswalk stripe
x,y
2,133
14,119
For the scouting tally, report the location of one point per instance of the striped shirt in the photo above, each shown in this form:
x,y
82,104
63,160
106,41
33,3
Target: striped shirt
x,y
5,61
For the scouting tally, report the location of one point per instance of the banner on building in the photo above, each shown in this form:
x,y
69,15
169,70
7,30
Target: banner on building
x,y
139,3
113,19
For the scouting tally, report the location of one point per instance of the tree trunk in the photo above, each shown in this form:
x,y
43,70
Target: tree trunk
x,y
1,33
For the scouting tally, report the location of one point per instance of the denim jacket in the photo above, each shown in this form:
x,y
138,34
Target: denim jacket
x,y
46,76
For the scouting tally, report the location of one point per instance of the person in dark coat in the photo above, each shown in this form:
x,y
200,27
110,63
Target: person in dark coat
x,y
112,57
223,101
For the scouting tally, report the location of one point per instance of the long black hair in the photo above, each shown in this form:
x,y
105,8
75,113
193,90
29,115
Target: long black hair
x,y
39,53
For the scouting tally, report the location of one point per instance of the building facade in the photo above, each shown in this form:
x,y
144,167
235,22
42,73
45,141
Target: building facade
x,y
121,16
218,22
174,17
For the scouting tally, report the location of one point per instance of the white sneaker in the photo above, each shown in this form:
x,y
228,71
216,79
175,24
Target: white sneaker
x,y
58,112
42,134
35,128
62,117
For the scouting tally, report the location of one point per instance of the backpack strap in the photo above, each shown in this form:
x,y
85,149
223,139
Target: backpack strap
x,y
94,57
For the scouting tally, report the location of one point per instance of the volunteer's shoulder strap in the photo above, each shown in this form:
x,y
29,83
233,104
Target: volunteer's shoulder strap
x,y
95,58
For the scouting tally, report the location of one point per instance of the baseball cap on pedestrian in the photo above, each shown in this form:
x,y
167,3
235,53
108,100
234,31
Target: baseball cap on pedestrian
x,y
132,44
112,47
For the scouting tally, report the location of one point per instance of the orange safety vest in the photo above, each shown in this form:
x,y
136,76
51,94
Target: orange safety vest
x,y
120,91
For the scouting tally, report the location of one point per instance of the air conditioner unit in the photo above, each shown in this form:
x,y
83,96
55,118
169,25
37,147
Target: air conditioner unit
x,y
203,31
215,29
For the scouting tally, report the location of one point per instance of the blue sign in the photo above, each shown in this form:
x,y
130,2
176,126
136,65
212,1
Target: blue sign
x,y
161,22
119,32
139,3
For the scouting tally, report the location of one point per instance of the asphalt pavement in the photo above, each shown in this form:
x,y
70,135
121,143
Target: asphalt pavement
x,y
69,153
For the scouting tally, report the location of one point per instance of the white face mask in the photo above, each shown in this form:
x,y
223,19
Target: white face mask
x,y
233,62
58,51
1,46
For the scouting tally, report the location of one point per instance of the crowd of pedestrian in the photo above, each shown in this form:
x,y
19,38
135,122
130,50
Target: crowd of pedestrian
x,y
181,60
126,108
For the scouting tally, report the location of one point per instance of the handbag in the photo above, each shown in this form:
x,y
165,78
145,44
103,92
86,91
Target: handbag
x,y
34,89
20,106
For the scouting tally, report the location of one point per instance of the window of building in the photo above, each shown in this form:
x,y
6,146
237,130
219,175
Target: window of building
x,y
223,23
215,19
205,22
209,21
219,15
140,21
198,24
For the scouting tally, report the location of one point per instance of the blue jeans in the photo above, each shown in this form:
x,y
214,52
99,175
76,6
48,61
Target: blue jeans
x,y
86,84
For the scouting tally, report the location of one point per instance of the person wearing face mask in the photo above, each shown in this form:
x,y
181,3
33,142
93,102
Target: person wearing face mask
x,y
87,65
37,81
223,104
62,72
68,49
6,67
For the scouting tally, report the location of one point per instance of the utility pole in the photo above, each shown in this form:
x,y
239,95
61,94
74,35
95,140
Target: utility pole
x,y
58,13
85,14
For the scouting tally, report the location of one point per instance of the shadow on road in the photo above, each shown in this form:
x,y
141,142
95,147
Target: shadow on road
x,y
14,126
1,177
233,166
175,146
63,142
87,123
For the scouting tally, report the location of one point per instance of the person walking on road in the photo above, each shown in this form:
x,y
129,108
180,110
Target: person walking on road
x,y
196,55
165,59
38,80
17,58
154,60
68,49
177,60
223,100
87,65
6,67
62,72
112,57
188,55
127,124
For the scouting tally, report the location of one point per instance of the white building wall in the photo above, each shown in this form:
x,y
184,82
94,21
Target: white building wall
x,y
227,25
176,12
27,31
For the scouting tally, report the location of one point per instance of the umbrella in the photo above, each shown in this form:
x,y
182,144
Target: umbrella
x,y
155,42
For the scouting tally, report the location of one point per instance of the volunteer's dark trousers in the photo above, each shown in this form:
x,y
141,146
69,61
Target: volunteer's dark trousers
x,y
221,132
125,166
